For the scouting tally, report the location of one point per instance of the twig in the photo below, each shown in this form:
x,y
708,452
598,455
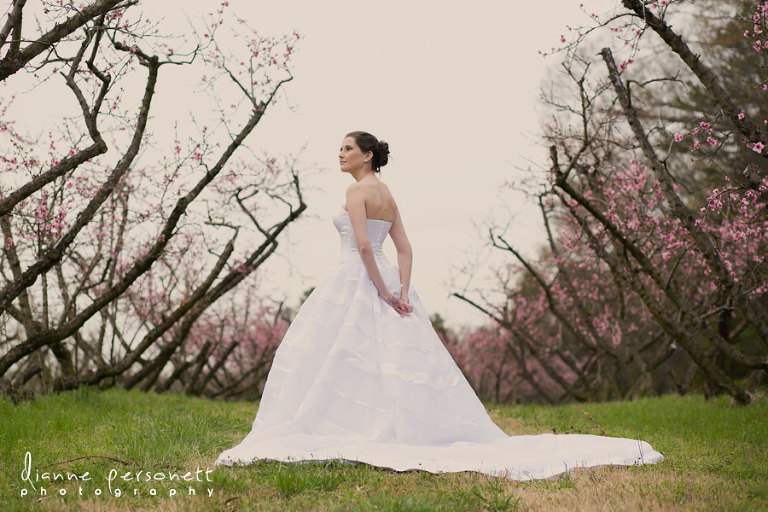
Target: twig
x,y
88,457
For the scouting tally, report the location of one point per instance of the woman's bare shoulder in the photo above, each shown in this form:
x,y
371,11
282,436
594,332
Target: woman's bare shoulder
x,y
376,193
355,189
388,194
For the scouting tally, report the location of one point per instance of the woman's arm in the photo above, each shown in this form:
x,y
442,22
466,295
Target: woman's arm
x,y
404,254
355,206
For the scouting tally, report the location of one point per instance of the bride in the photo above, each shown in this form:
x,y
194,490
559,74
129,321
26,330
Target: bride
x,y
361,375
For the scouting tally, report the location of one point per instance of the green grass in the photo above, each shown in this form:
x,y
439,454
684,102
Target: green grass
x,y
715,459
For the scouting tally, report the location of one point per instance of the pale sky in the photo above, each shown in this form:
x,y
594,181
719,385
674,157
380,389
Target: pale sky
x,y
452,86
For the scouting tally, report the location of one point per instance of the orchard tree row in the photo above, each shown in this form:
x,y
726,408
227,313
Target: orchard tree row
x,y
129,243
655,276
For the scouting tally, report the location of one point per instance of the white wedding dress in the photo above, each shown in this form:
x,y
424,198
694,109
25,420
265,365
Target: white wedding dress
x,y
352,380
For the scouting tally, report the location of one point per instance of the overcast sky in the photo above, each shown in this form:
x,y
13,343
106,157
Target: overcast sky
x,y
453,88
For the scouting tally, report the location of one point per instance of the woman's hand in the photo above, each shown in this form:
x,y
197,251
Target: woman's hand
x,y
400,305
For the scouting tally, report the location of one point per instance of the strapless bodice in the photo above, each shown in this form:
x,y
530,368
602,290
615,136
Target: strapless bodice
x,y
377,232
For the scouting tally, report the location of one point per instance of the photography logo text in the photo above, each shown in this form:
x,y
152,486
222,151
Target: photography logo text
x,y
114,482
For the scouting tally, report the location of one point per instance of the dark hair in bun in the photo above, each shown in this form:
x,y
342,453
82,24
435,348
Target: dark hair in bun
x,y
367,142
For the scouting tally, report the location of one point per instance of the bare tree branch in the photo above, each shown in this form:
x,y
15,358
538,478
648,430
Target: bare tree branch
x,y
703,72
12,63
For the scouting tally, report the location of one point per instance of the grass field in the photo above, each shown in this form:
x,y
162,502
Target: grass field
x,y
716,459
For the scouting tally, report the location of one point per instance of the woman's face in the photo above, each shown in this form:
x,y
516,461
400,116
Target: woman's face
x,y
351,157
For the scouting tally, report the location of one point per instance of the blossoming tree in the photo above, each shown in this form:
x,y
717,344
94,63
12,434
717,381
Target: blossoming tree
x,y
123,229
655,273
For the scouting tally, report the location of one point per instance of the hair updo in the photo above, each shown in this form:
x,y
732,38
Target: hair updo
x,y
367,142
